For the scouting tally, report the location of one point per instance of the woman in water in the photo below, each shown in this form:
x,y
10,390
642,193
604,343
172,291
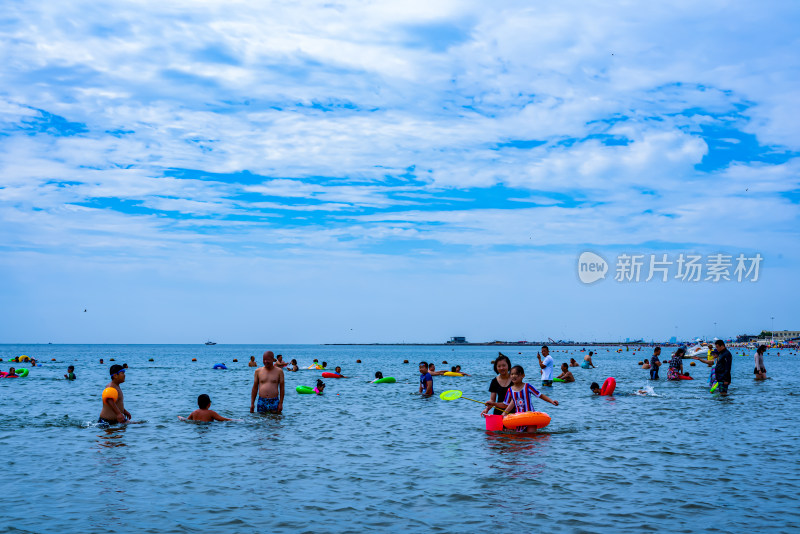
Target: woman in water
x,y
676,365
499,385
760,371
320,387
573,363
587,361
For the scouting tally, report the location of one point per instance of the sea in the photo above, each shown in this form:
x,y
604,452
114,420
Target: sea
x,y
654,456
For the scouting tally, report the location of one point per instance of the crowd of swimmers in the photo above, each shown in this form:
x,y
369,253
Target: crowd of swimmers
x,y
507,390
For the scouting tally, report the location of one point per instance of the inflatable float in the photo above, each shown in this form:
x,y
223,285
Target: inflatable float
x,y
608,386
304,390
451,373
22,373
331,375
385,380
684,377
219,366
559,380
535,419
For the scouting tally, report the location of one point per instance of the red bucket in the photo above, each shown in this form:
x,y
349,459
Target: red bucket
x,y
494,423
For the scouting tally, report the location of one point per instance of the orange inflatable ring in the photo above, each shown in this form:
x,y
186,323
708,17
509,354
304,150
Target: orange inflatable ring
x,y
608,386
534,419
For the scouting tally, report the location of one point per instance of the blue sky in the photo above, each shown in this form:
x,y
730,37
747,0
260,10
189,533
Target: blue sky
x,y
375,172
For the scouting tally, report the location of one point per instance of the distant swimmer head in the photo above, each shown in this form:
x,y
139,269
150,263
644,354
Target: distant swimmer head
x,y
595,387
117,373
203,401
320,384
338,370
378,374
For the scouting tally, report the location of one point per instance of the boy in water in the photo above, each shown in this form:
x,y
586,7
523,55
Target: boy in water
x,y
338,371
203,414
566,375
655,363
114,411
268,385
595,387
70,373
425,380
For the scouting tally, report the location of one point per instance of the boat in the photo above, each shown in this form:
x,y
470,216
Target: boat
x,y
210,343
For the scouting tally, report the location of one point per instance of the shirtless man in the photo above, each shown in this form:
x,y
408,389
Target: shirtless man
x,y
114,411
268,386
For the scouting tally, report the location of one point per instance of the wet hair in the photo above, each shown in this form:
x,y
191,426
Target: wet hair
x,y
114,369
572,359
320,383
294,362
378,374
338,369
453,368
500,358
518,369
315,360
71,368
424,363
762,348
565,364
590,353
252,358
594,386
324,364
458,367
203,401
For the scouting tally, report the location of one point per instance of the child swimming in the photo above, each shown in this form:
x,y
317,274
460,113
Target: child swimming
x,y
320,387
203,414
114,411
595,387
70,373
519,395
566,375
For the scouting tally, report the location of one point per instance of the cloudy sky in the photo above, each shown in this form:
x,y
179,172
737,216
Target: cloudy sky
x,y
304,172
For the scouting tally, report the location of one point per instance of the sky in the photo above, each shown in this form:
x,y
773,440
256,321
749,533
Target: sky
x,y
338,172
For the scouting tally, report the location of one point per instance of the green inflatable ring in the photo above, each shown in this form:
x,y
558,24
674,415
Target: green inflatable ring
x,y
22,373
304,390
386,380
559,380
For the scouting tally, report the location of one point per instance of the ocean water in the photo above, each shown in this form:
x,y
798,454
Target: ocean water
x,y
379,457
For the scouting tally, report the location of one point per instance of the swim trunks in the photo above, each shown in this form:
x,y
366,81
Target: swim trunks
x,y
105,423
722,388
266,405
547,382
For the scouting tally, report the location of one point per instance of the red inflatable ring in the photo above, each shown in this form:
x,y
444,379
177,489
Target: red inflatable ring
x,y
682,377
331,375
608,386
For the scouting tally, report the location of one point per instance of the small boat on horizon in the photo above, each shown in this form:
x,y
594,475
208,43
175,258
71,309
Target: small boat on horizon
x,y
211,343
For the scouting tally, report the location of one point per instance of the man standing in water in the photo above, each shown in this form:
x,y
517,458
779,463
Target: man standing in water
x,y
546,365
723,372
268,385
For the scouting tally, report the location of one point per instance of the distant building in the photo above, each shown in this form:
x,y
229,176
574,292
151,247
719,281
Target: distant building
x,y
457,340
783,335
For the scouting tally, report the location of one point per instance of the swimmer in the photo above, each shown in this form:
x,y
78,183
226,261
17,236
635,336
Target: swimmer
x,y
324,365
457,369
320,389
70,373
588,359
566,374
425,379
114,411
12,373
280,363
101,360
294,366
646,364
268,385
203,414
252,362
519,395
760,371
378,375
595,387
338,371
676,364
573,363
655,363
432,370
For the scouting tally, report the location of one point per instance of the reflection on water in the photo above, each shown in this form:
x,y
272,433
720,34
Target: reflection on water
x,y
368,457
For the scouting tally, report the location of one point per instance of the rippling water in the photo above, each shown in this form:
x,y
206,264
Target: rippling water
x,y
367,456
